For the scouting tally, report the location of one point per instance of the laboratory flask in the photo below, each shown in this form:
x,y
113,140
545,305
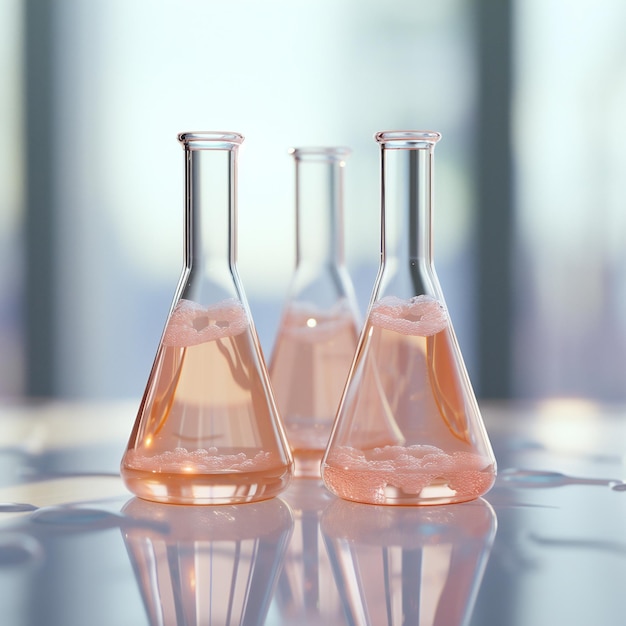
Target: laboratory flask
x,y
408,429
208,430
319,326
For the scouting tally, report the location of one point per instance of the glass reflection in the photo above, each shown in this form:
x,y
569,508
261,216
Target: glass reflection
x,y
207,565
406,565
306,592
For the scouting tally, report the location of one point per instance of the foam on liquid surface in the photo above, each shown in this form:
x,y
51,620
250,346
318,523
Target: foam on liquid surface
x,y
191,323
200,461
422,315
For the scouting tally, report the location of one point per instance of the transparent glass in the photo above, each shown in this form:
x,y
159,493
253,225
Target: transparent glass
x,y
409,565
319,327
408,429
207,430
207,565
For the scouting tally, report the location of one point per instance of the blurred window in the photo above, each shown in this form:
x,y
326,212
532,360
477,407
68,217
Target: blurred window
x,y
11,199
127,77
570,159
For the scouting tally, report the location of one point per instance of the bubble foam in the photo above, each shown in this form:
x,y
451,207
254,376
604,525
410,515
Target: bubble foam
x,y
191,323
200,461
364,476
421,316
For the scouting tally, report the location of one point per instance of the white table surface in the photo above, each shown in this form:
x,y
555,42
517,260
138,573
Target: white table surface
x,y
546,546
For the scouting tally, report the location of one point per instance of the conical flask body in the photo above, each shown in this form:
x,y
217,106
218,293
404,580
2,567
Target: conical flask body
x,y
319,326
207,430
408,429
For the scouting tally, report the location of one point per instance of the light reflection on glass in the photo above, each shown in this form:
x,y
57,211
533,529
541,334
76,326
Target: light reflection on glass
x,y
207,565
306,593
409,565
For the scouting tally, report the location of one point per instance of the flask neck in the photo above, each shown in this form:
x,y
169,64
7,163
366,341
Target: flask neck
x,y
319,205
210,233
406,199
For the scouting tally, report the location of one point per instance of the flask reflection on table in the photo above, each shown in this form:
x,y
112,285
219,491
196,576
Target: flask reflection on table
x,y
207,565
406,565
306,592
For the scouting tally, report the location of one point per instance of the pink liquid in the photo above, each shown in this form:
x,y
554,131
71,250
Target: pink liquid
x,y
409,428
206,429
313,353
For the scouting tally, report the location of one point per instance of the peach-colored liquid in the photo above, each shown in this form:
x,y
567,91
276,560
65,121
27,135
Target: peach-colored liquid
x,y
409,428
206,431
309,367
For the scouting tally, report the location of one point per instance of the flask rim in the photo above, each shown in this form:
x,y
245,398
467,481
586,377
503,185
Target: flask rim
x,y
320,153
407,139
210,140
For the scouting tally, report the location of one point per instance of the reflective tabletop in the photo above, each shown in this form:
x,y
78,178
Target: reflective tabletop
x,y
547,545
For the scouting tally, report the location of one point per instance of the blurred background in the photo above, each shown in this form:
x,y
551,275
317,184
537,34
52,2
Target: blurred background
x,y
530,184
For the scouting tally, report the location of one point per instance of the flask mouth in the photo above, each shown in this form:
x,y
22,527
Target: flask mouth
x,y
321,153
210,140
407,139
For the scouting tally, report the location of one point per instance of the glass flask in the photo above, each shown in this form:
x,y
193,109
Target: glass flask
x,y
207,565
409,565
408,428
319,326
207,430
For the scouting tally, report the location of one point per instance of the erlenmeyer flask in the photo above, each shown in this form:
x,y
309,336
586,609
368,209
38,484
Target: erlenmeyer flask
x,y
208,431
319,327
408,429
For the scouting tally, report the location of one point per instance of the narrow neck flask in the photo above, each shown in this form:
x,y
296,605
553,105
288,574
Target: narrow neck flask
x,y
319,183
408,429
318,331
207,430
